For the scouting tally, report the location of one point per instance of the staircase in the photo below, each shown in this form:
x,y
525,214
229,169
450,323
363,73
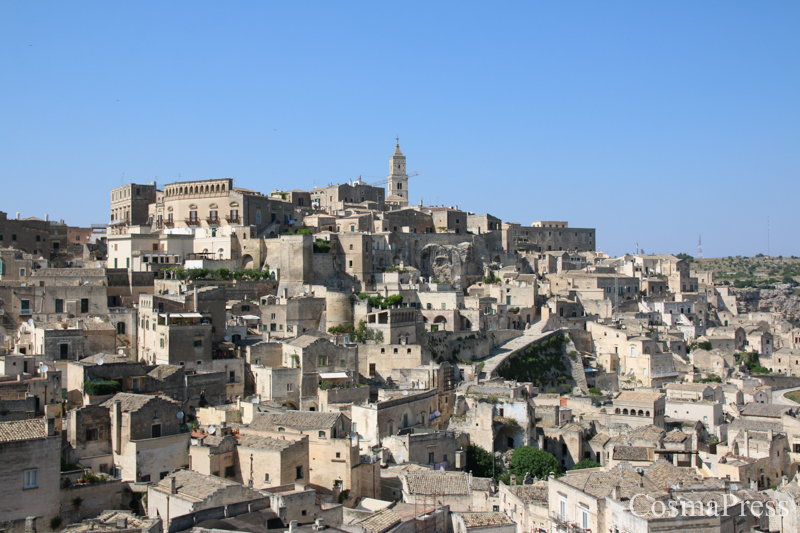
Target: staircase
x,y
576,367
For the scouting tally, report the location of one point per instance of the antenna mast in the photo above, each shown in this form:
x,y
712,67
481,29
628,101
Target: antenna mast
x,y
700,247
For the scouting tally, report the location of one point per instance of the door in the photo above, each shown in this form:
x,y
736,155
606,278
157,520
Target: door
x,y
63,351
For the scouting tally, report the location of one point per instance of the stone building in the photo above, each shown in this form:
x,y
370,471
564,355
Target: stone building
x,y
41,238
89,438
547,236
148,439
30,477
130,206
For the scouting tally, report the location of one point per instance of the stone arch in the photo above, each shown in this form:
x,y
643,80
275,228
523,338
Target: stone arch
x,y
641,413
624,411
290,405
647,413
247,261
396,259
221,252
647,350
617,411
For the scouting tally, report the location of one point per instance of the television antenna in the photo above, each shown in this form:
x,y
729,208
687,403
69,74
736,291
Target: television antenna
x,y
700,247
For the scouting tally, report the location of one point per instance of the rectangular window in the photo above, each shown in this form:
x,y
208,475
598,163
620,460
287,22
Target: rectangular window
x,y
24,307
266,477
289,387
431,458
299,472
63,351
323,360
59,305
91,434
198,343
155,431
84,305
31,478
230,471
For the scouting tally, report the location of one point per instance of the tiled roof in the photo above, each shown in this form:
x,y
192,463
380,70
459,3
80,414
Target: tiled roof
x,y
649,432
107,358
437,482
23,430
676,435
485,519
303,341
191,485
765,410
600,483
302,420
379,522
631,453
601,438
264,443
665,475
163,371
132,402
538,492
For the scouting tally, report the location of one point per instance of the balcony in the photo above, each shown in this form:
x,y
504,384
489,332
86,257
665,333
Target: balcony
x,y
169,223
213,221
233,220
192,222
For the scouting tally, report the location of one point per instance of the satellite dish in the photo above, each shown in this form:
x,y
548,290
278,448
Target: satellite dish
x,y
254,400
405,393
399,458
227,339
30,321
734,487
45,368
212,430
100,361
121,351
179,414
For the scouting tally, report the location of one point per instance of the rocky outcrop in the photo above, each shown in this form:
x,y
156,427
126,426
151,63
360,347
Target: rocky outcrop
x,y
780,301
447,262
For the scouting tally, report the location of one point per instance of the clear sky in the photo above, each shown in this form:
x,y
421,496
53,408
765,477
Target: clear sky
x,y
651,121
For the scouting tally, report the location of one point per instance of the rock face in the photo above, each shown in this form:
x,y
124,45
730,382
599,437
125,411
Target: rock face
x,y
779,301
447,262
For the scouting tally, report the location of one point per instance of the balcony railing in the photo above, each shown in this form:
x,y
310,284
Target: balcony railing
x,y
213,221
192,222
169,222
232,220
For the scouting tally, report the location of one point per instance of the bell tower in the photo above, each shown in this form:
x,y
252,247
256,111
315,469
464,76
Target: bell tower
x,y
397,184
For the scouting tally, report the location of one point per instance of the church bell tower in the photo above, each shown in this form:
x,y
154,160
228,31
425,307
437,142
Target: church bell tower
x,y
398,179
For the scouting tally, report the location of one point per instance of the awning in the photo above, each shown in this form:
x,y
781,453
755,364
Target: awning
x,y
182,315
250,317
333,375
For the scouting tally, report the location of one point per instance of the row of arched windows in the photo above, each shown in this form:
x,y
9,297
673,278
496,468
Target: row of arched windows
x,y
632,412
195,189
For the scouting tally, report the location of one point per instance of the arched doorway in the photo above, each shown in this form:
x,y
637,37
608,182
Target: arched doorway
x,y
247,262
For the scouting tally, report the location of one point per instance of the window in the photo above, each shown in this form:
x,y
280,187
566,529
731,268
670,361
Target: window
x,y
198,343
299,472
562,509
338,455
84,305
161,342
431,458
321,434
63,351
289,387
31,478
14,238
24,306
145,479
91,434
323,361
59,305
155,431
266,477
230,471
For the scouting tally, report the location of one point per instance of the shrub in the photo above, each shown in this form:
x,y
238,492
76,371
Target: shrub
x,y
55,523
586,463
594,391
101,387
482,463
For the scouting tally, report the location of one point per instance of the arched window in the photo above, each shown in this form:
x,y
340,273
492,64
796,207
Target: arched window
x,y
616,412
624,411
647,413
641,413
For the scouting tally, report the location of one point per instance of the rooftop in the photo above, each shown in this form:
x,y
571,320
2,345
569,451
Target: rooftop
x,y
300,420
23,430
485,519
437,482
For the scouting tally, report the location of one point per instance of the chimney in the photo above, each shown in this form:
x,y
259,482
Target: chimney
x,y
122,522
770,435
18,219
30,522
319,524
117,427
20,377
51,425
746,443
172,488
293,526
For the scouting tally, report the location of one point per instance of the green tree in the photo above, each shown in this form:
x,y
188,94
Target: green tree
x,y
223,273
480,462
586,463
538,462
395,300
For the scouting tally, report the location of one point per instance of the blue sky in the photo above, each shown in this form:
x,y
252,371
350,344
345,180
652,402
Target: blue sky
x,y
651,121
